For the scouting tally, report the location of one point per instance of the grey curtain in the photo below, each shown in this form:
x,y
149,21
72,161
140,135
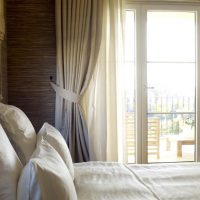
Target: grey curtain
x,y
78,32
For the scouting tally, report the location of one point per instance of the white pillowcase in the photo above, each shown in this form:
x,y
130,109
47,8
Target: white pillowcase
x,y
10,168
56,140
46,177
19,130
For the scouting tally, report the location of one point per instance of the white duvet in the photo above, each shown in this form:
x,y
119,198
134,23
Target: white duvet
x,y
170,181
113,181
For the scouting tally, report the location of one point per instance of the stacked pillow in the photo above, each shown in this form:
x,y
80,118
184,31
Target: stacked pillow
x,y
19,130
10,168
46,176
56,140
49,172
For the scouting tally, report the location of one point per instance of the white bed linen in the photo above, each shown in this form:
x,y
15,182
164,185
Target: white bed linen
x,y
46,176
170,181
108,181
113,181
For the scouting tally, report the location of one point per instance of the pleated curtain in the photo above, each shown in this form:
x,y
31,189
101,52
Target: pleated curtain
x,y
78,36
100,103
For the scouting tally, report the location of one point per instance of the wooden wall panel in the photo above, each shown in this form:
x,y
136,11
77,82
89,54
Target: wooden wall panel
x,y
31,58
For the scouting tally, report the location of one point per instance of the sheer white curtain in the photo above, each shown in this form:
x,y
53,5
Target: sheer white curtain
x,y
100,100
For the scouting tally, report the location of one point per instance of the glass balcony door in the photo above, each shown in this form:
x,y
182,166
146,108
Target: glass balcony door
x,y
159,85
171,77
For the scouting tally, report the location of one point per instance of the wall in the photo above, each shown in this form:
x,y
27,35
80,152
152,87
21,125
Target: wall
x,y
31,58
3,63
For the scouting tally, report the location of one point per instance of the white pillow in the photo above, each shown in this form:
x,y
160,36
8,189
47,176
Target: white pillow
x,y
56,140
10,168
19,130
46,177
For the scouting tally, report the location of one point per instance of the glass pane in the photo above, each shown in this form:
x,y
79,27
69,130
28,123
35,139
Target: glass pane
x,y
129,36
170,36
130,137
171,137
171,112
126,94
129,103
171,87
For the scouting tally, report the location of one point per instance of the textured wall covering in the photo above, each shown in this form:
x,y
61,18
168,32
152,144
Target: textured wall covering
x,y
31,58
3,63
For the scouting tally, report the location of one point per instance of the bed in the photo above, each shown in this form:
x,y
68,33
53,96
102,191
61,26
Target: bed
x,y
103,181
39,167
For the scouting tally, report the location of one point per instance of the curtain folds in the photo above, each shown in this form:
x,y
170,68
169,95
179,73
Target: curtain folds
x,y
78,32
100,100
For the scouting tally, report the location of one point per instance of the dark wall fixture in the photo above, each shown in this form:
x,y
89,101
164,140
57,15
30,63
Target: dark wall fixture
x,y
31,50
